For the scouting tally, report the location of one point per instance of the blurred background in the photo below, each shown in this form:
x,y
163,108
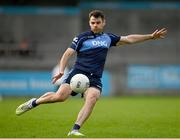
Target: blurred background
x,y
34,34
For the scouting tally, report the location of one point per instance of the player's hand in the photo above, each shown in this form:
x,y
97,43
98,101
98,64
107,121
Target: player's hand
x,y
159,34
55,78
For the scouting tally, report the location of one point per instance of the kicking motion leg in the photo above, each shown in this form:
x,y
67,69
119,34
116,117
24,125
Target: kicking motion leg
x,y
50,97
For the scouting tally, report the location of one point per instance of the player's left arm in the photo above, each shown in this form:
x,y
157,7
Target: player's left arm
x,y
136,38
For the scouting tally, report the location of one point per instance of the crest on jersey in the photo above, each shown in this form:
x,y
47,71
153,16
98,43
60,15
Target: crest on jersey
x,y
75,39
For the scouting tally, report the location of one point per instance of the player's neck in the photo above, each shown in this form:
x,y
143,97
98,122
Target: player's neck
x,y
97,32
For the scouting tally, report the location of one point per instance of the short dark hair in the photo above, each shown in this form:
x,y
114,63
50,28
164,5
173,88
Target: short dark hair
x,y
97,14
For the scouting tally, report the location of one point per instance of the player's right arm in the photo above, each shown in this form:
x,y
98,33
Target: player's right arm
x,y
63,62
67,54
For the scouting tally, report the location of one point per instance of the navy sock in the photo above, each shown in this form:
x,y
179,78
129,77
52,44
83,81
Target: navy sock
x,y
34,103
76,127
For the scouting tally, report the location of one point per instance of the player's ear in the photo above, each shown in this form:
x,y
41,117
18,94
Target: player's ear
x,y
104,22
89,23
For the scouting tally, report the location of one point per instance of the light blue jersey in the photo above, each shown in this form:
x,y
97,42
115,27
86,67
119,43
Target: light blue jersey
x,y
92,51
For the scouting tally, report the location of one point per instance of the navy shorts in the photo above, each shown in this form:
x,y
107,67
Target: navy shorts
x,y
94,80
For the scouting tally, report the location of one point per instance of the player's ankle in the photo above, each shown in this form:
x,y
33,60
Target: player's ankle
x,y
76,127
34,104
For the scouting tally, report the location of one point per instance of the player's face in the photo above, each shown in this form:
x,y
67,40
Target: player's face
x,y
96,24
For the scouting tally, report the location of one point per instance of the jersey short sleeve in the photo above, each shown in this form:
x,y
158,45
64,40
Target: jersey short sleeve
x,y
74,43
114,39
78,40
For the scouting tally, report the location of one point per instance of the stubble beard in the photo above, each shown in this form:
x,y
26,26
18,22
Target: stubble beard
x,y
97,30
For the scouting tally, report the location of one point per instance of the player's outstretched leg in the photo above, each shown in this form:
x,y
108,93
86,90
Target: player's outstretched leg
x,y
25,106
50,97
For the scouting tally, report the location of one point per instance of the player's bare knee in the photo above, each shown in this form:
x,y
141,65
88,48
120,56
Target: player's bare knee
x,y
61,97
92,98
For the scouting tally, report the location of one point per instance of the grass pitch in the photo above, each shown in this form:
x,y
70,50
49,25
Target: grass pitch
x,y
123,117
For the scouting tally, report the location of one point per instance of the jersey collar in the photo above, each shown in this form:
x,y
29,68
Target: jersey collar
x,y
97,34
